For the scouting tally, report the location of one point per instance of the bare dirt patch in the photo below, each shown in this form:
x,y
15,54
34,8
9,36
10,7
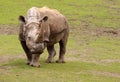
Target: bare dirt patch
x,y
101,73
9,29
110,61
107,32
87,28
7,58
84,29
109,74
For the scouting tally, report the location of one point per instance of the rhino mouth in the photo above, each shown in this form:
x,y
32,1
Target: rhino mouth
x,y
36,48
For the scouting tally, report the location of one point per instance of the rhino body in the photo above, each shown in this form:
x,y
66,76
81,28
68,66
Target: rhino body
x,y
42,28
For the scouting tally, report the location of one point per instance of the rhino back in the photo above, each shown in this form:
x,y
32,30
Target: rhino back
x,y
56,20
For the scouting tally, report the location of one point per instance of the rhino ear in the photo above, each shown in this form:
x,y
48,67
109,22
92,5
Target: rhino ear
x,y
45,18
22,19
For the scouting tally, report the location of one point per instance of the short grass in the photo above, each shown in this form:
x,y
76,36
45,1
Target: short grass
x,y
96,62
89,57
10,45
101,13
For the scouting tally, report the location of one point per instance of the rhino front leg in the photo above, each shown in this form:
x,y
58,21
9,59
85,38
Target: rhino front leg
x,y
35,60
52,53
27,51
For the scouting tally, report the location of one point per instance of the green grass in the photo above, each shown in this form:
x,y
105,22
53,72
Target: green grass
x,y
10,44
101,13
90,58
69,72
13,67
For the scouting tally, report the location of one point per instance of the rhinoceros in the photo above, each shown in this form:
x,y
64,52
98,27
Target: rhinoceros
x,y
42,28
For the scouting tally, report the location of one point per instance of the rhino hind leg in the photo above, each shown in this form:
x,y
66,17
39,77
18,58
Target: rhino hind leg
x,y
27,51
62,44
52,53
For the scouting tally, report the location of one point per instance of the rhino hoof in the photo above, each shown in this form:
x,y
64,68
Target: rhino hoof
x,y
58,61
48,61
35,65
28,62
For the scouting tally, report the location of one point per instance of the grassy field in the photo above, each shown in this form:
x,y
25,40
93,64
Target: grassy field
x,y
102,13
93,53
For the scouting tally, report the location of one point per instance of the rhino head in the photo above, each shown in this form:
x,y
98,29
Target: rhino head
x,y
36,33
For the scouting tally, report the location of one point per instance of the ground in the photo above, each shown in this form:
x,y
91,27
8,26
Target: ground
x,y
93,53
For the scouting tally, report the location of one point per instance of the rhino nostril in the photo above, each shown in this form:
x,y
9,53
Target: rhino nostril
x,y
28,38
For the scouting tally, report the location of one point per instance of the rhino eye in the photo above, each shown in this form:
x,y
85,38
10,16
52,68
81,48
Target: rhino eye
x,y
37,42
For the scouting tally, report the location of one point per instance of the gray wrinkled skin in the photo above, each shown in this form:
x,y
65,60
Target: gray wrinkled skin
x,y
41,28
31,35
